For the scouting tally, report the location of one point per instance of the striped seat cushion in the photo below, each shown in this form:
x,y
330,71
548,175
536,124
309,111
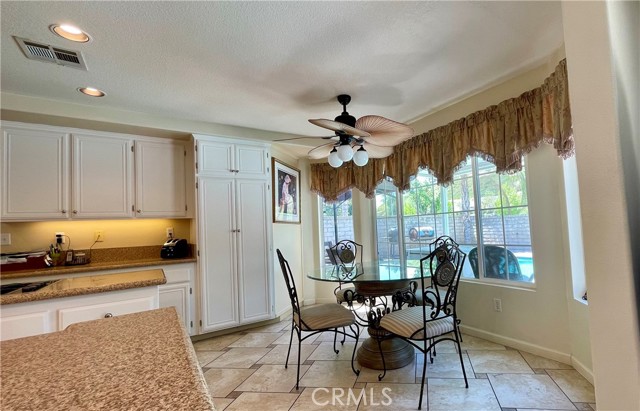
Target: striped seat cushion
x,y
321,316
340,294
408,321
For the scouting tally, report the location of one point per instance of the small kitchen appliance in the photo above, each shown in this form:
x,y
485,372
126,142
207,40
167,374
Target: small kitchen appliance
x,y
175,248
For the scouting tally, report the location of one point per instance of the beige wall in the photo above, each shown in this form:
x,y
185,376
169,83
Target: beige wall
x,y
288,238
599,37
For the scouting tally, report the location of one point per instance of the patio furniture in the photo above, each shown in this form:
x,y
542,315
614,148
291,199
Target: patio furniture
x,y
499,262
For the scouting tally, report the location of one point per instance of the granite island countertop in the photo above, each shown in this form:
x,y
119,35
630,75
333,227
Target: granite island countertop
x,y
92,284
139,361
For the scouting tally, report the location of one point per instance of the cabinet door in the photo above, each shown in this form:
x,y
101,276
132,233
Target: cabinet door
x,y
177,292
252,161
35,174
160,179
215,158
102,177
254,273
25,325
216,239
177,296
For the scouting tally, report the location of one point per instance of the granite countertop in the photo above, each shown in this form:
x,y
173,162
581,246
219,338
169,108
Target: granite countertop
x,y
139,361
93,284
101,260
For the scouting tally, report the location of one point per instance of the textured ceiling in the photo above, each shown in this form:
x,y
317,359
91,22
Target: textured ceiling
x,y
273,65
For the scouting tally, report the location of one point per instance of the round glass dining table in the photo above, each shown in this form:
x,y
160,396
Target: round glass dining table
x,y
373,283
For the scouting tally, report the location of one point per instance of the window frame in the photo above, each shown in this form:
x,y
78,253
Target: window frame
x,y
477,211
321,219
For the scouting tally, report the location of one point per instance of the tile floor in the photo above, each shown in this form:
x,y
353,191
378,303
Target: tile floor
x,y
245,371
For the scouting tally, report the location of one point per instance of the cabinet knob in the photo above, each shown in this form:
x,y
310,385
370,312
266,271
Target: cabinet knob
x,y
75,211
108,315
139,211
64,211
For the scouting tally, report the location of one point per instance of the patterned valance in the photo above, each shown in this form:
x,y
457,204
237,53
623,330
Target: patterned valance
x,y
500,134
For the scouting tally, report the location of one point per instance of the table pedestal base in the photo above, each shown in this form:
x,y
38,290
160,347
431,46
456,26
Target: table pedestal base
x,y
397,354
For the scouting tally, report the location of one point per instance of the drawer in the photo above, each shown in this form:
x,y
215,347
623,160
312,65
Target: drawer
x,y
24,325
68,316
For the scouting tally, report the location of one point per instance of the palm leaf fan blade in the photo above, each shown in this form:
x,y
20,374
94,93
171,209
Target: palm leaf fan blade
x,y
384,132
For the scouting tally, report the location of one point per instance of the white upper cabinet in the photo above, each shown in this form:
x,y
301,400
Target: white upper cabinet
x,y
51,173
35,173
221,157
102,176
160,179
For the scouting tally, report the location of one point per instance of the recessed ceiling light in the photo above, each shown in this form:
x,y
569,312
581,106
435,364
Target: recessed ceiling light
x,y
93,92
70,32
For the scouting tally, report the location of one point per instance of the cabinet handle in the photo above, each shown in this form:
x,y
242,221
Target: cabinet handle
x,y
238,230
75,211
64,211
108,315
139,211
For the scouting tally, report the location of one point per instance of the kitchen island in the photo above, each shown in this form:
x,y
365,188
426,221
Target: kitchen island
x,y
138,361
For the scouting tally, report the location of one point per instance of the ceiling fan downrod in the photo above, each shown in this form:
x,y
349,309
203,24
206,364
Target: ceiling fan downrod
x,y
345,117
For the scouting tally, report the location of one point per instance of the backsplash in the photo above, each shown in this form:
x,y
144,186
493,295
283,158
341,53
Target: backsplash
x,y
34,236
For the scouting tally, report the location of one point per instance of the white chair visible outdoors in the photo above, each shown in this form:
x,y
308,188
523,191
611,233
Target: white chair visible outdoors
x,y
315,319
435,320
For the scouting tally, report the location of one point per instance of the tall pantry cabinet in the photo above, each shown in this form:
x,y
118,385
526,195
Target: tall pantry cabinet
x,y
234,232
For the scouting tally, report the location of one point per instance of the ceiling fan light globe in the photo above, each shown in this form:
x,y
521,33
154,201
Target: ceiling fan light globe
x,y
345,152
361,157
334,160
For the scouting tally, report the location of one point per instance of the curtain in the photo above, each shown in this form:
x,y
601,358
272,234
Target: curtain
x,y
500,134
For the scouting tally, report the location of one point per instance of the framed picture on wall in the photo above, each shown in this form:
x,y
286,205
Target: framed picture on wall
x,y
286,192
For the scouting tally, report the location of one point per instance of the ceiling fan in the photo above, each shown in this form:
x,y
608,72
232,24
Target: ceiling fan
x,y
368,137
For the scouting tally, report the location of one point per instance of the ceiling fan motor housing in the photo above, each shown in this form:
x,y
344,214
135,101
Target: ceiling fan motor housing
x,y
345,118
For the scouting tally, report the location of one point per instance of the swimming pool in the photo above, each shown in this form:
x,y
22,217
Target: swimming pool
x,y
526,265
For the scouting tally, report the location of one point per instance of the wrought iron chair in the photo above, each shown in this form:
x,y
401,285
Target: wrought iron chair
x,y
345,253
315,319
425,325
499,262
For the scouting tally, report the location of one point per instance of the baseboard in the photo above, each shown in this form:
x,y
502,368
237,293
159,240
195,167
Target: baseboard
x,y
328,300
582,369
518,344
283,313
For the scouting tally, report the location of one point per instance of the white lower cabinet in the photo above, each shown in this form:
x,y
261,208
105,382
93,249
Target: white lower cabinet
x,y
68,316
25,325
56,314
178,293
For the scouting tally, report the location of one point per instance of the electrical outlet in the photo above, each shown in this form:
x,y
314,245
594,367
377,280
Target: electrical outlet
x,y
5,239
61,234
169,232
497,305
99,236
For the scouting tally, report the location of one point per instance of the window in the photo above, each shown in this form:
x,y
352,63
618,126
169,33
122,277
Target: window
x,y
337,222
478,207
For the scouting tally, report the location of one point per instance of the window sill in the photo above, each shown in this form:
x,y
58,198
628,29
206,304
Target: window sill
x,y
516,286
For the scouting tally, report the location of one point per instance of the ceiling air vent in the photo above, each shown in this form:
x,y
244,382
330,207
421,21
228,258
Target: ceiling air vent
x,y
44,52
